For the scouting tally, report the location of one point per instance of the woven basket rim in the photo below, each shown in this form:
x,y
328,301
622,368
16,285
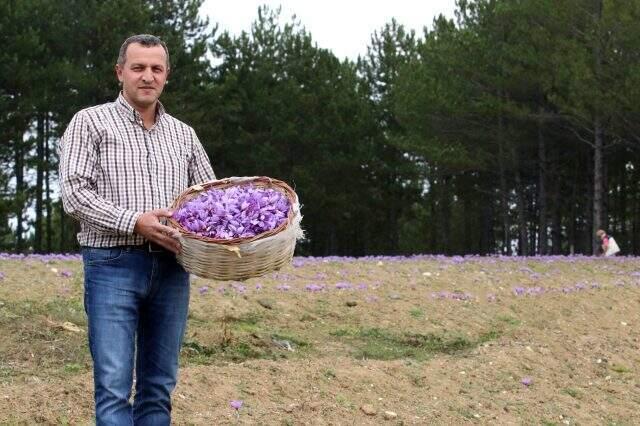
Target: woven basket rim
x,y
258,181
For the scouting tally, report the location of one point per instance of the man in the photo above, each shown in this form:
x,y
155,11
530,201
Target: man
x,y
121,165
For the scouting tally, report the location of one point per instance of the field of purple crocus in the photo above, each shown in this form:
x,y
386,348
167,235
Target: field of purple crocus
x,y
396,340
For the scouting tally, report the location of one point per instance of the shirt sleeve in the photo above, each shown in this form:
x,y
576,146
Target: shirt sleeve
x,y
200,170
77,170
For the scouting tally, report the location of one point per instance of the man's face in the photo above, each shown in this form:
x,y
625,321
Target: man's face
x,y
143,75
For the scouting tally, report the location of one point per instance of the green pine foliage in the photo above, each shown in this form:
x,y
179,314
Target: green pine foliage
x,y
512,128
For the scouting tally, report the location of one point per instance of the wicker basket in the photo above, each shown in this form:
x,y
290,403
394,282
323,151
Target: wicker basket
x,y
240,258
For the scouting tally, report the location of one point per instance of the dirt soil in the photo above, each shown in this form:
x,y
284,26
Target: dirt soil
x,y
425,340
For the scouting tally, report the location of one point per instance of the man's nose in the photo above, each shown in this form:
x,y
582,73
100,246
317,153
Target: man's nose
x,y
147,76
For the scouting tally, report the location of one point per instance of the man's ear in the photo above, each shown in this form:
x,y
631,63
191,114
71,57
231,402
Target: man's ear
x,y
118,72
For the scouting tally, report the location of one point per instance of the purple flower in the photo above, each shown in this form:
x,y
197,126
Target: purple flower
x,y
535,291
362,286
235,212
314,287
2,275
343,286
239,288
519,291
283,287
454,296
66,273
258,286
527,381
236,404
203,290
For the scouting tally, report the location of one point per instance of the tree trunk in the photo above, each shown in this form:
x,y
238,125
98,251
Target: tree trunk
x,y
47,159
598,184
555,197
18,164
487,243
506,238
621,211
62,242
469,235
523,240
532,226
572,234
445,200
542,192
598,142
37,242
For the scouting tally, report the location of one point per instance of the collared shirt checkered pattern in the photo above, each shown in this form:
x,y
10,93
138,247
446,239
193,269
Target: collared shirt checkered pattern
x,y
112,169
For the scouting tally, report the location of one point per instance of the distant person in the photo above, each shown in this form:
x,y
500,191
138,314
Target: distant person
x,y
608,245
121,165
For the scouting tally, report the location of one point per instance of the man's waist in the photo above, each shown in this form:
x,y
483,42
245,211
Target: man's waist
x,y
151,247
148,246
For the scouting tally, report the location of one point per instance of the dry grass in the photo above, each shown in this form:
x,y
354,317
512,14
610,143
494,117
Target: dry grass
x,y
388,341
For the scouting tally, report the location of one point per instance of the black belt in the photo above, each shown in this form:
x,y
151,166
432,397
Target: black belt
x,y
151,247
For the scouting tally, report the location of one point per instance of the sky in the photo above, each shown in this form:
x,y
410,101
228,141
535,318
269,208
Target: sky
x,y
344,26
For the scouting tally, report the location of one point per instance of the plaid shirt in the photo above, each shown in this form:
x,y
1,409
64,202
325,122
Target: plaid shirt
x,y
112,169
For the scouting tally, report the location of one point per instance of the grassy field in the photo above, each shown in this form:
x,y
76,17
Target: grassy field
x,y
424,340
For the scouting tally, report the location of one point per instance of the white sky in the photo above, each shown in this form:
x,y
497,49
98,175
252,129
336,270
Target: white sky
x,y
344,26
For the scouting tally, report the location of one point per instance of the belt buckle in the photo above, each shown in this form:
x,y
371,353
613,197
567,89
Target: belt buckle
x,y
154,248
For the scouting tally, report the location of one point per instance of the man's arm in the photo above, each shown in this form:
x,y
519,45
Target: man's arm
x,y
78,161
199,166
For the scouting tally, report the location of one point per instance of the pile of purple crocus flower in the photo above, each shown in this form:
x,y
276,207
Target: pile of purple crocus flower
x,y
235,212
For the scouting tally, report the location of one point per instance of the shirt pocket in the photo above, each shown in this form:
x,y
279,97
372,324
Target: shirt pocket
x,y
123,162
176,160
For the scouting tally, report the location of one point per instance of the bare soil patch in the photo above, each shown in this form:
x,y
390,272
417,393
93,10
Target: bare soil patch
x,y
338,341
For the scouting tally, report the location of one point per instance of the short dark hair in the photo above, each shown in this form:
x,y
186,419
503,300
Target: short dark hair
x,y
146,40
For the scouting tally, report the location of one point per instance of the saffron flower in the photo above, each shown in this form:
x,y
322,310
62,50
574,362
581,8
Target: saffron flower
x,y
239,288
235,212
314,287
527,381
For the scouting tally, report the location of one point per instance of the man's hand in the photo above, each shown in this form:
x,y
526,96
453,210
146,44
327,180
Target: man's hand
x,y
149,226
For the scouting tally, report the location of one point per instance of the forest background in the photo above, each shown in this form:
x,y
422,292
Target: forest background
x,y
513,128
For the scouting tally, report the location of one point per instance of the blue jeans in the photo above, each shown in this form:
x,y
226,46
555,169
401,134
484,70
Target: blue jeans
x,y
136,303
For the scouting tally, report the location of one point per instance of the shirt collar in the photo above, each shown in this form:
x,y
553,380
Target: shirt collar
x,y
130,112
